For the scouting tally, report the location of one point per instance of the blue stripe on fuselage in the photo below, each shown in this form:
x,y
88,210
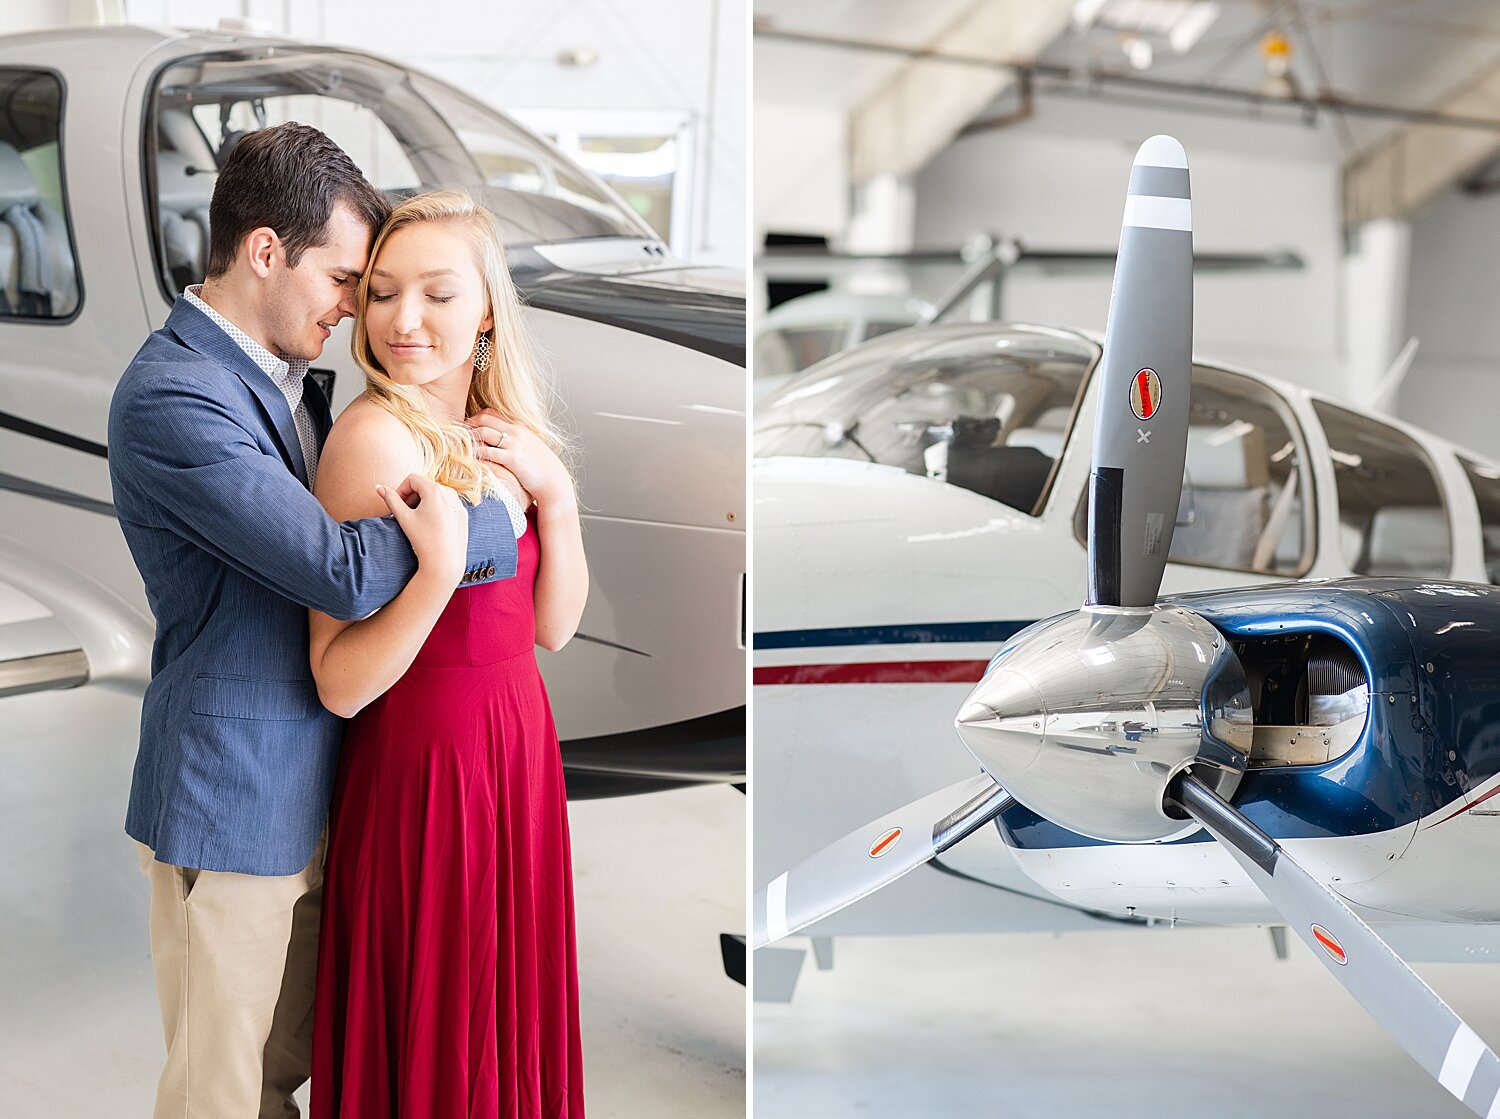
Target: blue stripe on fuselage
x,y
916,633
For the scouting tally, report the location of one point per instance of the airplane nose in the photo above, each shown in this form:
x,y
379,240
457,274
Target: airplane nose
x,y
1088,721
1003,722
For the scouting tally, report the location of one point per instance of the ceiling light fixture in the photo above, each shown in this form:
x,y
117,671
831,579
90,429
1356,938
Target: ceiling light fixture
x,y
1180,22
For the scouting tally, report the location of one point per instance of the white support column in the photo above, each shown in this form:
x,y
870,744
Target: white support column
x,y
1375,270
883,220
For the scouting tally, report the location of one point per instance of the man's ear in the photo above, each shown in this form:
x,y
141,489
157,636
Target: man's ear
x,y
261,247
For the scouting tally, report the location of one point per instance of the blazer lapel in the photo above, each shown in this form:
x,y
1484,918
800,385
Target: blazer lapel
x,y
202,335
318,406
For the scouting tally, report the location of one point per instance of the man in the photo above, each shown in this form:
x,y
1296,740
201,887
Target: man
x,y
214,434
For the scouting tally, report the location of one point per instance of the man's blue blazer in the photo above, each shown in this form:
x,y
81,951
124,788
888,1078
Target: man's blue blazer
x,y
237,756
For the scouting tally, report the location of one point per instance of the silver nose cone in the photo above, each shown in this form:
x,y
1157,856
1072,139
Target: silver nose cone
x,y
1087,722
1003,722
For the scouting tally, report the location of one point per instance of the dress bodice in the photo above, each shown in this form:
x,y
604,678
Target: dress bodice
x,y
490,622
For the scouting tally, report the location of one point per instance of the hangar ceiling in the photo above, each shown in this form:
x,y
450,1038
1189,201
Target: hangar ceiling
x,y
1345,61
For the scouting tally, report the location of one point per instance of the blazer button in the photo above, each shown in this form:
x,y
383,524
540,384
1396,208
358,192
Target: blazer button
x,y
489,572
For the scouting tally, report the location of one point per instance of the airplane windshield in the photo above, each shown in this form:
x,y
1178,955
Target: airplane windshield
x,y
985,409
406,131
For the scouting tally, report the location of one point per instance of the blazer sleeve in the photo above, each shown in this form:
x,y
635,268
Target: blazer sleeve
x,y
182,460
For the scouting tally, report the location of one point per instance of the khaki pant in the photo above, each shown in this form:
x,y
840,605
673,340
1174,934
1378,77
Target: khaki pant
x,y
235,958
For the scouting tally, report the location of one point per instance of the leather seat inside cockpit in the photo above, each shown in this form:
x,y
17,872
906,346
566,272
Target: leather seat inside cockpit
x,y
977,460
37,275
183,191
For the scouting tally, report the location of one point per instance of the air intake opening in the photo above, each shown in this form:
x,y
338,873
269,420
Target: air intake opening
x,y
1311,698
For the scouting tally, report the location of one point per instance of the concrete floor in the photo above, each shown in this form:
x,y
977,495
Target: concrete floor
x,y
658,878
1178,1024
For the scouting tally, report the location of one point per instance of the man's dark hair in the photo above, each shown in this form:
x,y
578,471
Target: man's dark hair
x,y
287,178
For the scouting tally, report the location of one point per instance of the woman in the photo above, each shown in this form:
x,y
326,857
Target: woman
x,y
447,978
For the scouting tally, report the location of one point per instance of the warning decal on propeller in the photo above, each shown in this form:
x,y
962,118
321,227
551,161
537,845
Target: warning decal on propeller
x,y
1145,394
1329,944
884,843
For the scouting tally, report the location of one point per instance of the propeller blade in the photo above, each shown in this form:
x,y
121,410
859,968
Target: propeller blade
x,y
1140,433
873,856
1404,1006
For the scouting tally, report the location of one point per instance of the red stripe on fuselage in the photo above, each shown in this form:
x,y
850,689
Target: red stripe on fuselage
x,y
1461,809
880,672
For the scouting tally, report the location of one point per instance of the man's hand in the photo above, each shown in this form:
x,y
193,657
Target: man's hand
x,y
406,492
522,452
511,483
435,524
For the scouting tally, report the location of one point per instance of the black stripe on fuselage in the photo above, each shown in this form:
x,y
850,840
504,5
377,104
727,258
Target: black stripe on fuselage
x,y
41,490
11,422
705,321
16,484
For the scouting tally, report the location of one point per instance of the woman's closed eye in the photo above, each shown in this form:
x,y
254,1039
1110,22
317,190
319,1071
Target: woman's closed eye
x,y
386,296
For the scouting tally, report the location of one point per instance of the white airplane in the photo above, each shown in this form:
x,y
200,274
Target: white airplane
x,y
109,143
1318,755
803,331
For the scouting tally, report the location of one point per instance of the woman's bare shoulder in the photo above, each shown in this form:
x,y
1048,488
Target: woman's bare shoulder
x,y
368,446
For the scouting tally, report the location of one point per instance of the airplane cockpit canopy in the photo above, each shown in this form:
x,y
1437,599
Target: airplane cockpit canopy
x,y
990,408
407,132
984,408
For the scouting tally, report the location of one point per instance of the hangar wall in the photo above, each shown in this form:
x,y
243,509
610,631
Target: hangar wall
x,y
1454,310
30,15
801,170
674,65
1259,193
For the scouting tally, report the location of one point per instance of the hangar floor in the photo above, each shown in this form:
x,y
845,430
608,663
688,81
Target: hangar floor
x,y
1156,1025
659,877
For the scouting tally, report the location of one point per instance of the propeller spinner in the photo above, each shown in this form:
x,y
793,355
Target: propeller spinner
x,y
1128,721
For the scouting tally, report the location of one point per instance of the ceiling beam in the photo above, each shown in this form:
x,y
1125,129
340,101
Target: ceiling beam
x,y
1420,161
920,110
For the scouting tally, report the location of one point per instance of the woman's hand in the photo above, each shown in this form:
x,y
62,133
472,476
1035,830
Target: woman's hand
x,y
437,527
521,451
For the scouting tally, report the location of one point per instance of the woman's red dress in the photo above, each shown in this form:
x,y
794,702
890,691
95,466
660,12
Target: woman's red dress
x,y
447,973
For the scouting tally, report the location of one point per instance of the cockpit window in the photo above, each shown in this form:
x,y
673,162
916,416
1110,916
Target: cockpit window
x,y
1244,504
38,272
985,409
405,131
1391,514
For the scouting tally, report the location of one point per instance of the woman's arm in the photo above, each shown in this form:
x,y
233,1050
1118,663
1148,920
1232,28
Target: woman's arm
x,y
562,581
368,454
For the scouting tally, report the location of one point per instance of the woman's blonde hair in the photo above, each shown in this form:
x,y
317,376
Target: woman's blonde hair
x,y
512,383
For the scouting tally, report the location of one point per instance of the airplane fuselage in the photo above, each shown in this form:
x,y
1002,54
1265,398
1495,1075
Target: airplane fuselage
x,y
882,593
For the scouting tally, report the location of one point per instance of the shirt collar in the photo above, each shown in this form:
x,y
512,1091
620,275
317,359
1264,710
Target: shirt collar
x,y
278,369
